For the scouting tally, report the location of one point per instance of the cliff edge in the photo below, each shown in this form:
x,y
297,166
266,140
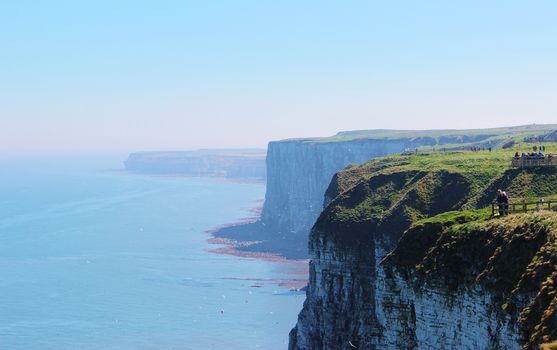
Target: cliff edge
x,y
299,172
405,256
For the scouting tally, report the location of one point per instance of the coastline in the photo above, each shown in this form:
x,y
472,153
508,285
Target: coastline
x,y
246,246
247,238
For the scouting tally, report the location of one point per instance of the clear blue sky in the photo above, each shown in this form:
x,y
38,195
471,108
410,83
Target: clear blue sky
x,y
136,75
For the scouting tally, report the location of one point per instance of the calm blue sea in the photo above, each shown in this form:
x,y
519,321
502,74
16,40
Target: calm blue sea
x,y
94,258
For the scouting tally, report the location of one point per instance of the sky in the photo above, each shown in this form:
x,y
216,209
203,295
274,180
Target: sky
x,y
168,75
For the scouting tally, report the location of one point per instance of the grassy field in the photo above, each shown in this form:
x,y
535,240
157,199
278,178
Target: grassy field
x,y
391,193
494,136
479,167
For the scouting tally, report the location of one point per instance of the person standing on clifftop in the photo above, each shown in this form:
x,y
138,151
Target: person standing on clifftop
x,y
503,202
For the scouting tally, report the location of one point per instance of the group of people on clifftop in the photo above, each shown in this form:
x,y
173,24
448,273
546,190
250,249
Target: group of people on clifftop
x,y
480,149
538,153
533,155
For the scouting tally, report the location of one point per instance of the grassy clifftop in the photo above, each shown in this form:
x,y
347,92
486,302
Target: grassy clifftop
x,y
494,137
386,195
433,210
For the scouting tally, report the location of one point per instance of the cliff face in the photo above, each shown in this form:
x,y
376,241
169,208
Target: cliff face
x,y
459,281
300,171
365,306
503,268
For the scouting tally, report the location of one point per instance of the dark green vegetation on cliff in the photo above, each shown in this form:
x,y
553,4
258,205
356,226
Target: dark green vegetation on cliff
x,y
514,257
438,203
387,195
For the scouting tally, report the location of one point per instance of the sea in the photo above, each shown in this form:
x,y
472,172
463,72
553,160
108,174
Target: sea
x,y
93,257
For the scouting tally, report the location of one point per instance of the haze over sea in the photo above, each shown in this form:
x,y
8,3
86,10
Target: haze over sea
x,y
96,258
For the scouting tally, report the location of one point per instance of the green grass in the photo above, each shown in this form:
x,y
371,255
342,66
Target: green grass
x,y
465,160
389,194
479,168
494,136
451,218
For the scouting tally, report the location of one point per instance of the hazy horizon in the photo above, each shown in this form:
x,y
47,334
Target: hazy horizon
x,y
123,153
138,76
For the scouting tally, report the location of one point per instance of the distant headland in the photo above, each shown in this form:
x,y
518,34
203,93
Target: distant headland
x,y
241,164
